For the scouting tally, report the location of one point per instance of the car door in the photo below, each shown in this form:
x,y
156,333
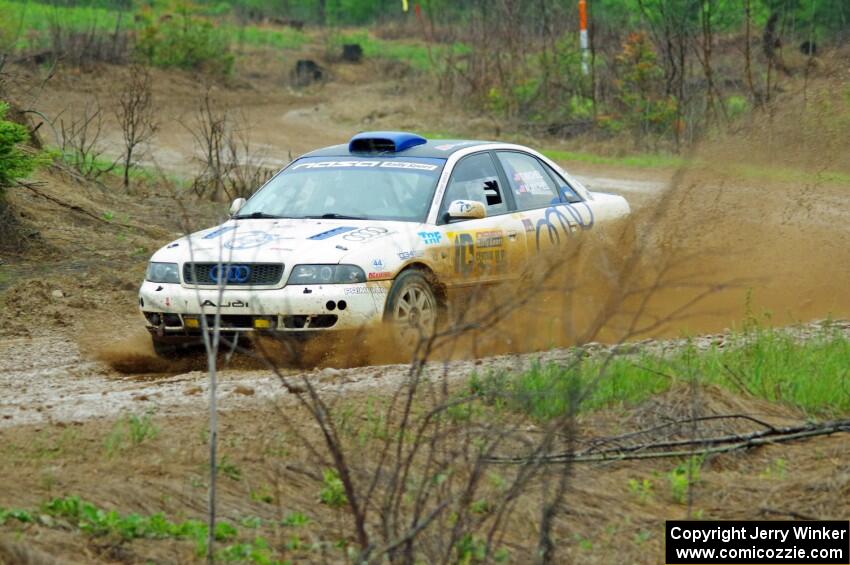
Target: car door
x,y
486,250
551,212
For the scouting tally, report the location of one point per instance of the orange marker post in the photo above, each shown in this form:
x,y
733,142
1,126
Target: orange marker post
x,y
582,38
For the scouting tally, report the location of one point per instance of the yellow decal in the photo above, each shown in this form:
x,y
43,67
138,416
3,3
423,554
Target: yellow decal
x,y
479,253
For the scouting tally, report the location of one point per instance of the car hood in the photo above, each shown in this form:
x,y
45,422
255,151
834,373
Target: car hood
x,y
285,240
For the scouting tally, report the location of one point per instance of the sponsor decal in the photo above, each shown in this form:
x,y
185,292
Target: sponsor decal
x,y
480,253
430,237
365,234
380,275
556,223
448,146
231,304
333,232
249,240
488,239
356,290
366,165
377,264
219,231
168,302
531,182
407,165
405,255
365,290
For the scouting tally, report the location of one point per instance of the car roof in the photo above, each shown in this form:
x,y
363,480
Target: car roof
x,y
420,147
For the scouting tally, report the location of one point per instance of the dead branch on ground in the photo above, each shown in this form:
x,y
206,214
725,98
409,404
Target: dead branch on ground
x,y
708,445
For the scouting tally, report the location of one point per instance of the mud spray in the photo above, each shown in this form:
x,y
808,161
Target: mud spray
x,y
742,234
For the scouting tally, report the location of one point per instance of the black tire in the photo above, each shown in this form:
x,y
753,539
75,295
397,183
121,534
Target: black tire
x,y
168,349
164,349
412,310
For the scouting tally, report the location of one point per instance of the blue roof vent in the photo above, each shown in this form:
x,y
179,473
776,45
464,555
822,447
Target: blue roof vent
x,y
384,141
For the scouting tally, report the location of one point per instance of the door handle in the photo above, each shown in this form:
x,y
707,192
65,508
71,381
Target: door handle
x,y
512,235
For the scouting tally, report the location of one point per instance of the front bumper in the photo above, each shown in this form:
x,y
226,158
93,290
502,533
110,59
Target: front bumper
x,y
174,310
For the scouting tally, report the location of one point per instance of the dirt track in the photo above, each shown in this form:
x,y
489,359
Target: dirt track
x,y
48,380
785,241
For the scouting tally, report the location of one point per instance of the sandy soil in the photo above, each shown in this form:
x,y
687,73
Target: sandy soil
x,y
48,380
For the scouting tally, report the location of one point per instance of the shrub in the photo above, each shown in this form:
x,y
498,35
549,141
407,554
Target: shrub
x,y
333,491
15,162
646,110
683,477
184,40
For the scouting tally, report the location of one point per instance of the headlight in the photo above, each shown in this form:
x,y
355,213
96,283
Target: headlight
x,y
162,273
326,274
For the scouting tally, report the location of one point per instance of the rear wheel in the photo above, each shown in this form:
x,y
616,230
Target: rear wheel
x,y
412,310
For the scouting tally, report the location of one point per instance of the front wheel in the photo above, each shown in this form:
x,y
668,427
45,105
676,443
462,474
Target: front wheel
x,y
165,350
412,310
172,350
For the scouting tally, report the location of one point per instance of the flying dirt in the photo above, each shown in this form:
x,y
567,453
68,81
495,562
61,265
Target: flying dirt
x,y
745,230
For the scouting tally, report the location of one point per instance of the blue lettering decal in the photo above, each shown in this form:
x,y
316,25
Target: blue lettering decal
x,y
331,233
430,237
218,231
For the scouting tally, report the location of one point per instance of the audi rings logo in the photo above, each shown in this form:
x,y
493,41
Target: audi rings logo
x,y
364,234
230,273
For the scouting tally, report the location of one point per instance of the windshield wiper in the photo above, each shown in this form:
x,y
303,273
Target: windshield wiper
x,y
335,216
258,216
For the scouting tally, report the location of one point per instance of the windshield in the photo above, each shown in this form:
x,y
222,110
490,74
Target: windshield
x,y
374,188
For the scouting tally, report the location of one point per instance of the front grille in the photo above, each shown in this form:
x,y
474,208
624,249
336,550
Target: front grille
x,y
234,273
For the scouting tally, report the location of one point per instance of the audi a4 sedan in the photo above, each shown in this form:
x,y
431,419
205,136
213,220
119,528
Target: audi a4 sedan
x,y
375,231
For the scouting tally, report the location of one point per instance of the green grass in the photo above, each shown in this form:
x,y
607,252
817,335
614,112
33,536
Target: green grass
x,y
295,520
640,160
788,174
666,161
91,520
98,522
27,25
21,19
813,375
129,432
21,516
413,53
286,38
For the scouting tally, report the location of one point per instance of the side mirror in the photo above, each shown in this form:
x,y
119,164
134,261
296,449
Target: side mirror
x,y
466,210
236,206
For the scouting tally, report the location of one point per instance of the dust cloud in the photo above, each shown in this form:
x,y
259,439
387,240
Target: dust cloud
x,y
740,235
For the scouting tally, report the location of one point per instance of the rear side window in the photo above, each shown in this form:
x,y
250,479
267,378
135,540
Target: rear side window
x,y
475,178
532,185
568,194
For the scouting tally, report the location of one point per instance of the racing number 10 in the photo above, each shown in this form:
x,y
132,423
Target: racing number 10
x,y
464,254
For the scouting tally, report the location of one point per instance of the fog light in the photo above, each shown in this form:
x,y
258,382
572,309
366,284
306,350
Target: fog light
x,y
262,323
192,322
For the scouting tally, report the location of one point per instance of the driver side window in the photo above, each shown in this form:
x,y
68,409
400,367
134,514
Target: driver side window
x,y
475,178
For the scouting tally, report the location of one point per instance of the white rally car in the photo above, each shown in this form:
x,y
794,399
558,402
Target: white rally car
x,y
377,230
